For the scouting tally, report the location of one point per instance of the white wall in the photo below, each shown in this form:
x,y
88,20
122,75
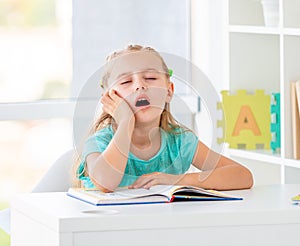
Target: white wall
x,y
101,27
208,39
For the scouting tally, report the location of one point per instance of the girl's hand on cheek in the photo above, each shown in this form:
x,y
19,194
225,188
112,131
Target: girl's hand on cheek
x,y
117,107
148,180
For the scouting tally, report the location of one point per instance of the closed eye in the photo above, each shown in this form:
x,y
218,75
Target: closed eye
x,y
150,78
125,82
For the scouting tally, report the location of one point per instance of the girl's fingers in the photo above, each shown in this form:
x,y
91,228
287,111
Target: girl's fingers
x,y
116,106
108,95
137,184
112,93
144,180
150,184
106,110
105,99
106,105
109,102
110,98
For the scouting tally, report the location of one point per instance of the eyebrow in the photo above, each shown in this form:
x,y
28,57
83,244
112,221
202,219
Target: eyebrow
x,y
144,70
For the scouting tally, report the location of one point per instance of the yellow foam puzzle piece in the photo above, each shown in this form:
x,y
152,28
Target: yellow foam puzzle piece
x,y
246,122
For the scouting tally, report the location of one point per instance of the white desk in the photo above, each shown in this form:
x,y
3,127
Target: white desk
x,y
265,217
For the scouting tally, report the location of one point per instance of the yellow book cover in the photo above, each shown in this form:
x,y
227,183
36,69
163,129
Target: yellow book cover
x,y
295,108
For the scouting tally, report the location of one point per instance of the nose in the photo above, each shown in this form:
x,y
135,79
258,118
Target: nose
x,y
140,87
140,83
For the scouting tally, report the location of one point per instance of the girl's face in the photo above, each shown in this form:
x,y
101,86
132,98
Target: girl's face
x,y
140,80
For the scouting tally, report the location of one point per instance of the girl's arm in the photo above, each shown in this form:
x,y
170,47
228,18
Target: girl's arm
x,y
217,172
106,170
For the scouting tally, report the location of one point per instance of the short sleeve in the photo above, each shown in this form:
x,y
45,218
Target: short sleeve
x,y
97,142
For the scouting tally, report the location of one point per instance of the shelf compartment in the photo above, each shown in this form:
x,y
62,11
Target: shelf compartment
x,y
291,17
292,175
257,58
291,73
246,12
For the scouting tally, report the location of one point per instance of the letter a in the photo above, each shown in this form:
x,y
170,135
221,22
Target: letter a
x,y
246,121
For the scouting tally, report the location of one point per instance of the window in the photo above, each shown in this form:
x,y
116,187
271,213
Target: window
x,y
35,80
35,50
27,149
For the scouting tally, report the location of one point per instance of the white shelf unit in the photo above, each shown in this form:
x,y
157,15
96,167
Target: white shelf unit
x,y
268,58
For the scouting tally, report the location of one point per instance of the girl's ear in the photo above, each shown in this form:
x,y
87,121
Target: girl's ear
x,y
170,92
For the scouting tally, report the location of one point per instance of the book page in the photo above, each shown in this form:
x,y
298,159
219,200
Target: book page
x,y
97,194
97,197
168,191
164,190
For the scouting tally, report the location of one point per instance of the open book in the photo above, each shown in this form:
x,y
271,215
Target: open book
x,y
156,194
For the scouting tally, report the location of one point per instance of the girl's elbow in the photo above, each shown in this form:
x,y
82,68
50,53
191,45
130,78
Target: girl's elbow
x,y
105,189
248,178
251,182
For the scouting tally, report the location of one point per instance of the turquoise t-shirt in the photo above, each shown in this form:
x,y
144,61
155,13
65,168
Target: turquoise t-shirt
x,y
174,157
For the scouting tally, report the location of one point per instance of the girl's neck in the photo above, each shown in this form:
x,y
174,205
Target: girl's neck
x,y
145,141
144,137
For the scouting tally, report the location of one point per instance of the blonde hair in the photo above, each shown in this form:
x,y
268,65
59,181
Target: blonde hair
x,y
167,121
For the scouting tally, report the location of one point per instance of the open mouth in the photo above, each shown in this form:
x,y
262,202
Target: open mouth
x,y
142,102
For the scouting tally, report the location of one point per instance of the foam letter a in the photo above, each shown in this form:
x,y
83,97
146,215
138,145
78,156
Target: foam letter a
x,y
246,121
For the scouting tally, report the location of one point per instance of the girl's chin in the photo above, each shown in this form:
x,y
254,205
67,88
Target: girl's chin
x,y
148,110
147,114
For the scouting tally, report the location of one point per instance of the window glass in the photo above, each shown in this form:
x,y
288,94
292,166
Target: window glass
x,y
27,149
35,48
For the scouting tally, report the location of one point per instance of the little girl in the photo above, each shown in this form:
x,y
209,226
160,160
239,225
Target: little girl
x,y
137,143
